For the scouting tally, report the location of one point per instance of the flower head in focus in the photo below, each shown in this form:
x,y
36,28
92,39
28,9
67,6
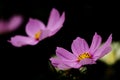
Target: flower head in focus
x,y
114,55
37,31
82,54
12,24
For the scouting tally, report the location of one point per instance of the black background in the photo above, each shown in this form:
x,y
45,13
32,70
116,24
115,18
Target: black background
x,y
83,18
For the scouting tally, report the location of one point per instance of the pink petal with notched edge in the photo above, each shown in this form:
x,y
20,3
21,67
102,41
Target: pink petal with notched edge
x,y
87,61
19,41
34,26
54,17
64,54
104,49
55,22
58,25
14,22
79,46
96,41
57,62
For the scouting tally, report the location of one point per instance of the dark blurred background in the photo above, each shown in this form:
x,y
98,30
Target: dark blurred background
x,y
83,18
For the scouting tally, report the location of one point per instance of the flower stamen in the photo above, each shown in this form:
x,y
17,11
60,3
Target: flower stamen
x,y
37,35
83,56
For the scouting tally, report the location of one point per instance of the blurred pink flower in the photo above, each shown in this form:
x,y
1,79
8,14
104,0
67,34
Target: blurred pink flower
x,y
82,54
37,31
12,24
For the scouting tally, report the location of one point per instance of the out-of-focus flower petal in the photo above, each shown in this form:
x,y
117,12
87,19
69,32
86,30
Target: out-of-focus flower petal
x,y
95,43
104,49
64,54
14,22
79,46
20,41
34,26
3,27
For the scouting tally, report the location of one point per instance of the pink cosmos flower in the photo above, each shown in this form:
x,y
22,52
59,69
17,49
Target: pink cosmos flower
x,y
12,24
82,53
37,31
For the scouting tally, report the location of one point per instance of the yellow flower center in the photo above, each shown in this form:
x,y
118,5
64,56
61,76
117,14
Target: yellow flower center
x,y
83,56
37,35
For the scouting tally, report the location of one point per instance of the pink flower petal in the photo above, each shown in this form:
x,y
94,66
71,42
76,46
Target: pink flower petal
x,y
72,63
79,46
19,41
64,54
54,17
58,25
63,67
14,22
95,43
57,62
3,27
34,26
55,22
44,34
87,61
104,49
